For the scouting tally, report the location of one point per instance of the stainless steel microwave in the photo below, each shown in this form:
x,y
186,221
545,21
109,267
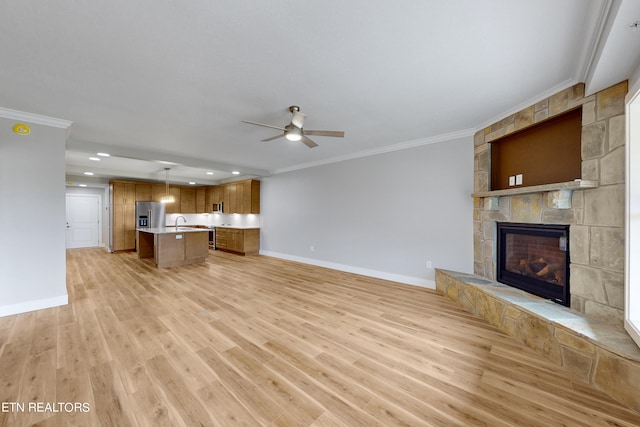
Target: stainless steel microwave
x,y
217,208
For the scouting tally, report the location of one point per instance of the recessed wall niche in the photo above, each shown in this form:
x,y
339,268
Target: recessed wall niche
x,y
546,153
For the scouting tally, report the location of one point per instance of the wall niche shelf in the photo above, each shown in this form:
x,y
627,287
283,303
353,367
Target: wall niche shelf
x,y
544,153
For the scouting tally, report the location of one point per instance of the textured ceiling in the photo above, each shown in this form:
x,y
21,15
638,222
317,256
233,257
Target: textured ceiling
x,y
165,80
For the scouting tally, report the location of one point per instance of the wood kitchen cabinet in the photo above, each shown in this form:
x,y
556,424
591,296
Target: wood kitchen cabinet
x,y
123,193
229,199
200,199
238,240
124,227
242,197
250,197
187,200
123,206
157,191
175,206
143,193
214,194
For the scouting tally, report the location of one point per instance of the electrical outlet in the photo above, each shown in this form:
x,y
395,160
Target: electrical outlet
x,y
429,264
311,248
519,179
512,180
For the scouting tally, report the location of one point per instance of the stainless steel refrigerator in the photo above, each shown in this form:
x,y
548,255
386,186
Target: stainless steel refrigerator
x,y
150,214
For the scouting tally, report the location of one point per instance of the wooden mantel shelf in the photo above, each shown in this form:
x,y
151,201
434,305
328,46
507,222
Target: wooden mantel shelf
x,y
571,185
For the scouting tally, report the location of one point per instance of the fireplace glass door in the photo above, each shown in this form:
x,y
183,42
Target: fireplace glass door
x,y
535,258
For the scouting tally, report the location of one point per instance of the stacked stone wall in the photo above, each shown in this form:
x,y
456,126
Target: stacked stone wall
x,y
595,216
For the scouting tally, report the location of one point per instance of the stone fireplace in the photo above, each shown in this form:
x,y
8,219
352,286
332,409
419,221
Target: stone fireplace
x,y
535,258
591,207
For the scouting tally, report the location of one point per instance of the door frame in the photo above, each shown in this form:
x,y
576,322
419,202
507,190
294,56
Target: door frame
x,y
632,214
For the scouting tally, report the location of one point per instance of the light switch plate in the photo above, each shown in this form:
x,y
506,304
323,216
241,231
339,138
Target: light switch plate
x,y
519,179
512,180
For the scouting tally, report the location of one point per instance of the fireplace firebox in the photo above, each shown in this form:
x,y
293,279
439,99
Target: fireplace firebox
x,y
535,258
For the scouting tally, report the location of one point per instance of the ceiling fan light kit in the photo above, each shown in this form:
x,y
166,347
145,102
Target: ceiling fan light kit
x,y
294,131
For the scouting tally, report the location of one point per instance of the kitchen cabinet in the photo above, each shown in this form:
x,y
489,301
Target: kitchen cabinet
x,y
242,197
143,193
157,191
243,241
214,194
124,227
200,199
250,197
187,200
175,206
229,199
123,193
123,206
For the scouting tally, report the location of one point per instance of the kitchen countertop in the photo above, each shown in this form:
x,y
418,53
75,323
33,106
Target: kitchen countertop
x,y
166,230
236,227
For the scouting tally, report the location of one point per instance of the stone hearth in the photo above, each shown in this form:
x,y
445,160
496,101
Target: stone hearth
x,y
592,207
597,352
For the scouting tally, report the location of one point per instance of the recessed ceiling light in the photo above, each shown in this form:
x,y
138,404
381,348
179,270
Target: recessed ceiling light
x,y
209,173
88,173
82,185
95,159
104,154
235,173
192,183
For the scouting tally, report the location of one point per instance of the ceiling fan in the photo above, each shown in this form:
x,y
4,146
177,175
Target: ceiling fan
x,y
294,131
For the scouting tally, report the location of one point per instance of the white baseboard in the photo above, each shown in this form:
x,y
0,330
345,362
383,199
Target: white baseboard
x,y
40,304
409,280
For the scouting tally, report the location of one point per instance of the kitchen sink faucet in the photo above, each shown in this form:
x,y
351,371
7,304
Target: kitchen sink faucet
x,y
185,220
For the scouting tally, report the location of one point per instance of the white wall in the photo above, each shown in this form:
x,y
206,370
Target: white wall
x,y
32,218
383,216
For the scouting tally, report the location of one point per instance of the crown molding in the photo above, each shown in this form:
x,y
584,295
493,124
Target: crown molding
x,y
34,118
395,147
599,22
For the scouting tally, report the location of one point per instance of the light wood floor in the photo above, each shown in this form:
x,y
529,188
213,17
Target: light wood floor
x,y
259,341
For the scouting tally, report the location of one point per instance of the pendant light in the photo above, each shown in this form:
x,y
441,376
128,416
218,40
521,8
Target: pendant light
x,y
168,197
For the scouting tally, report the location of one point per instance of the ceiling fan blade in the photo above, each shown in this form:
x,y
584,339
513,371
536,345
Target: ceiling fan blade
x,y
336,133
309,143
298,119
260,124
273,137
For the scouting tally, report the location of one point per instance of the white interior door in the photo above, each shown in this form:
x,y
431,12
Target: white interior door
x,y
83,221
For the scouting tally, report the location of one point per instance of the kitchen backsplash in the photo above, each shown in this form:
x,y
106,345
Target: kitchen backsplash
x,y
233,220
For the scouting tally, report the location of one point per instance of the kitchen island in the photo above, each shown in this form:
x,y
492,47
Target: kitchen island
x,y
172,246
